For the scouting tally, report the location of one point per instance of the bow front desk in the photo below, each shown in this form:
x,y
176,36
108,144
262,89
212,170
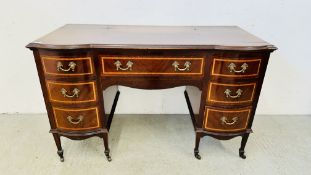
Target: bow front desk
x,y
222,67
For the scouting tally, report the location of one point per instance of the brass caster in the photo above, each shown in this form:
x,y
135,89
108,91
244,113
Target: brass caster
x,y
196,155
61,155
242,154
107,155
109,158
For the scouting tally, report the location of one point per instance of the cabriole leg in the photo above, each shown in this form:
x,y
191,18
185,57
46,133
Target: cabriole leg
x,y
197,143
107,151
243,144
60,151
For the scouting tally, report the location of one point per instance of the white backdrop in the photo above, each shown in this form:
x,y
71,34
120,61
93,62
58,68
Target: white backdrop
x,y
284,23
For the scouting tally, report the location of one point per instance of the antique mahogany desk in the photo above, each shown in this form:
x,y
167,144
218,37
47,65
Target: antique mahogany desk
x,y
222,67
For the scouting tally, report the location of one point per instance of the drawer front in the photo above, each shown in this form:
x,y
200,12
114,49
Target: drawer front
x,y
71,92
236,68
150,65
67,66
231,93
226,120
76,119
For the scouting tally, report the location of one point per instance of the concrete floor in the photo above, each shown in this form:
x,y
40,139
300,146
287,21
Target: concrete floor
x,y
156,144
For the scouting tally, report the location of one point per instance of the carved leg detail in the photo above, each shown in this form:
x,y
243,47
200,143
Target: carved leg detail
x,y
60,151
243,144
107,151
196,148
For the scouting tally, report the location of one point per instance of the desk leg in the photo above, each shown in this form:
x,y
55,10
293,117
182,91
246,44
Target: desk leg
x,y
107,150
197,143
243,144
113,108
190,110
60,151
197,134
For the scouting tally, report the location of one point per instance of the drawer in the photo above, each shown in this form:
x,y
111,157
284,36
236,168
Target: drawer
x,y
67,66
236,68
76,119
226,120
231,93
151,65
71,92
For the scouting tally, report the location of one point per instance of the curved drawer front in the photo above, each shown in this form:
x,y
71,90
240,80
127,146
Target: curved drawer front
x,y
76,119
150,65
231,93
71,92
67,66
226,120
236,68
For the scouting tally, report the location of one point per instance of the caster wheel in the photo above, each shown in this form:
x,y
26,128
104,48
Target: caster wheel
x,y
242,154
197,156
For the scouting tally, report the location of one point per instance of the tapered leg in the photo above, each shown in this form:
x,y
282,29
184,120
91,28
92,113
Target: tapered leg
x,y
243,144
60,151
197,143
113,108
107,151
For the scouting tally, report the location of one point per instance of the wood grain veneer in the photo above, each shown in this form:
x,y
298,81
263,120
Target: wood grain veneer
x,y
90,118
216,93
87,92
213,120
220,67
83,66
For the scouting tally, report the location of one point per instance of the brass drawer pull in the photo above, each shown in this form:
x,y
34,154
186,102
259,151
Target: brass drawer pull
x,y
75,121
129,65
71,66
75,93
238,93
224,121
232,67
186,68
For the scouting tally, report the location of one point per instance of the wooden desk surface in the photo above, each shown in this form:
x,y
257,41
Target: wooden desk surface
x,y
77,36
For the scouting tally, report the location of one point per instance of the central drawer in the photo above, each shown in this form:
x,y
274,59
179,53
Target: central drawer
x,y
76,119
114,65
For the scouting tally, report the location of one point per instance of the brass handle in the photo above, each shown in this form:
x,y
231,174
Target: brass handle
x,y
186,68
238,93
75,93
224,121
232,67
129,65
75,121
71,66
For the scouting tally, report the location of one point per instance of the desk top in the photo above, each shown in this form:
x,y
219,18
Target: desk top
x,y
79,36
